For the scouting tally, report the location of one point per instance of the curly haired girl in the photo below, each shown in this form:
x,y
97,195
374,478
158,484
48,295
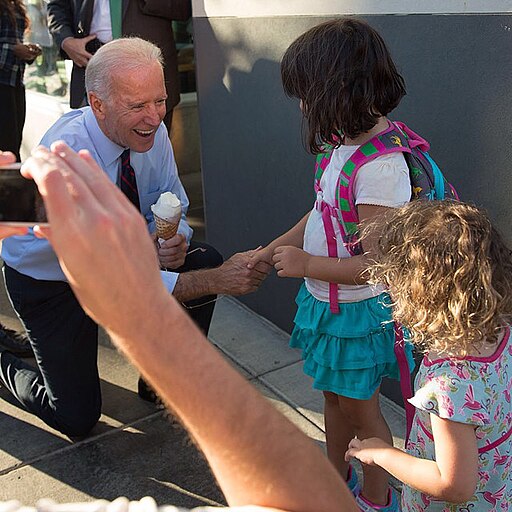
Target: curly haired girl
x,y
449,274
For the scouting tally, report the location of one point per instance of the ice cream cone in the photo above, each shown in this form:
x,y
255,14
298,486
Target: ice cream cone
x,y
165,229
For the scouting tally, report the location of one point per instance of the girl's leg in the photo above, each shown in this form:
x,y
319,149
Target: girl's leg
x,y
338,433
366,420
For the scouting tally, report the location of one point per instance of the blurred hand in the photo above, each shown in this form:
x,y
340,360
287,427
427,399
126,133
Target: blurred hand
x,y
100,238
172,252
75,49
290,261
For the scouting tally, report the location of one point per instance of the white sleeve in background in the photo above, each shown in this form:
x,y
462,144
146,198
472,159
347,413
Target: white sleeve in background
x,y
383,182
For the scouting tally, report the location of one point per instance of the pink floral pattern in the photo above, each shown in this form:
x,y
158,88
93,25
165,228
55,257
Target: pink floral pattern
x,y
474,391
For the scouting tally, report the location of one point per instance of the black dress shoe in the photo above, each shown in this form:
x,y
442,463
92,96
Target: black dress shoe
x,y
15,342
146,392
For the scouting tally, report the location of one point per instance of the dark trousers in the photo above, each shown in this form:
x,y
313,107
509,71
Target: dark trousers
x,y
201,310
64,389
12,117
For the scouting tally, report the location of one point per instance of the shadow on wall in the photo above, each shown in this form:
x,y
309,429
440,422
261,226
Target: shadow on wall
x,y
458,71
257,177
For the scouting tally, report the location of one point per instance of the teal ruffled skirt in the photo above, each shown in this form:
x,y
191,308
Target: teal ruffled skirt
x,y
347,353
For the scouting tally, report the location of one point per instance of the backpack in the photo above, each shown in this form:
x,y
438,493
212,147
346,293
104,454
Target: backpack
x,y
427,182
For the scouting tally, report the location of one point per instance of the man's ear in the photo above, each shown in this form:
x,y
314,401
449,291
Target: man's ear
x,y
97,105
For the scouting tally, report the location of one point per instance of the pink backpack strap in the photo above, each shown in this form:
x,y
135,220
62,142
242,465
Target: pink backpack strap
x,y
322,161
405,377
413,139
332,250
389,141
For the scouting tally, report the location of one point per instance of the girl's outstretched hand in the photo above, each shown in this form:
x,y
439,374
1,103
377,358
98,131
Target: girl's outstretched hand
x,y
366,450
290,261
260,254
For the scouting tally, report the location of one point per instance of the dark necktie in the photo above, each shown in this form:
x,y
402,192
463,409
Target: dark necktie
x,y
128,181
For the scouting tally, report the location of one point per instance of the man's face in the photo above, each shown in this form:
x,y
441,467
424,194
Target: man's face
x,y
132,114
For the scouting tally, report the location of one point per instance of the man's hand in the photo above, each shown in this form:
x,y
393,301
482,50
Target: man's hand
x,y
172,252
366,450
75,49
291,261
234,277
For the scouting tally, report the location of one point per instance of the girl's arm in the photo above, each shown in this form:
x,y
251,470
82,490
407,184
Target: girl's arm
x,y
451,477
292,262
294,237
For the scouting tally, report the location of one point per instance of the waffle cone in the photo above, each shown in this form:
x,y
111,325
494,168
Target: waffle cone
x,y
165,229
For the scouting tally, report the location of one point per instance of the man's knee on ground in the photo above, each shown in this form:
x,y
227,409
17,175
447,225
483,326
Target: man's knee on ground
x,y
77,423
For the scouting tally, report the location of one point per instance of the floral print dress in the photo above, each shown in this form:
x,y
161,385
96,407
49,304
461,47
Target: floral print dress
x,y
475,391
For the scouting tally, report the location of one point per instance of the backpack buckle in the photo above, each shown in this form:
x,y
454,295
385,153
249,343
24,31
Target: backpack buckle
x,y
319,201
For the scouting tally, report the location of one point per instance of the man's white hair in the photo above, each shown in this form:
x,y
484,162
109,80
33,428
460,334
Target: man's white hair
x,y
118,56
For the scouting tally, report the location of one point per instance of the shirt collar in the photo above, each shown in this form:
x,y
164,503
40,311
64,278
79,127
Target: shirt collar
x,y
107,150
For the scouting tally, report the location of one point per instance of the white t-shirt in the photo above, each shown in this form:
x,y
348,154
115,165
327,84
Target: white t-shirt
x,y
383,182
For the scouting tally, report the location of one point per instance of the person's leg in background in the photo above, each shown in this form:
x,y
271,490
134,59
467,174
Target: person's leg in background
x,y
10,128
13,111
200,255
64,389
21,112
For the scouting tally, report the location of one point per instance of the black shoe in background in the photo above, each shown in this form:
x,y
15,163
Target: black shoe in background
x,y
146,392
15,342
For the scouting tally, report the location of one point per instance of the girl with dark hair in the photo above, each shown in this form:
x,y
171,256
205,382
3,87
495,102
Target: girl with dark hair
x,y
14,54
347,83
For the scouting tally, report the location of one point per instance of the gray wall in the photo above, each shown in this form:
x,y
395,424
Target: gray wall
x,y
257,176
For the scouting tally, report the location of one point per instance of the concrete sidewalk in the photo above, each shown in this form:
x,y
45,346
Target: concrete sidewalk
x,y
136,449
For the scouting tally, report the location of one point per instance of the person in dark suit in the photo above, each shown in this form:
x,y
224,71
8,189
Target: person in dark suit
x,y
80,27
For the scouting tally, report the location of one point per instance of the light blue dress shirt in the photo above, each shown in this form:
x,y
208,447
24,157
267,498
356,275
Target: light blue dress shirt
x,y
155,170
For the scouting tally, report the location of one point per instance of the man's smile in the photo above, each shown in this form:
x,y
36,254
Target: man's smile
x,y
144,133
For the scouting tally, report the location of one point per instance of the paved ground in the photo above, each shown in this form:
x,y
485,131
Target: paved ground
x,y
136,449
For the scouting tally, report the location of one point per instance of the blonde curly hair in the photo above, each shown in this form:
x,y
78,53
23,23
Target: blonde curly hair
x,y
448,271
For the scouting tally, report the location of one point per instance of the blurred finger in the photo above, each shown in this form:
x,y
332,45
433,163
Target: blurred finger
x,y
98,184
6,157
355,443
42,231
6,231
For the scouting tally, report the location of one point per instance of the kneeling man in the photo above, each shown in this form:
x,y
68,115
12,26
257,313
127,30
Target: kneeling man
x,y
122,130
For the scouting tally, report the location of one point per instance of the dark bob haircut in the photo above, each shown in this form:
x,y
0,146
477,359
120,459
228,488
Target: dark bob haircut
x,y
344,75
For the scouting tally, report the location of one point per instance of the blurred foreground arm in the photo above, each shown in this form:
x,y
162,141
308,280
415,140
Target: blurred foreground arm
x,y
257,455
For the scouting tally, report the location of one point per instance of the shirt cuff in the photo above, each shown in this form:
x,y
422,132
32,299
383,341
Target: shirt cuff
x,y
185,230
169,279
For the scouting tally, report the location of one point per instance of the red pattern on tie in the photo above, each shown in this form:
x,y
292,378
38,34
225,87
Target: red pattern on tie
x,y
128,181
